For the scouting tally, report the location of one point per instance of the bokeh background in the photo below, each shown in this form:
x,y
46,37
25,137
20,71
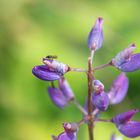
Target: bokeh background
x,y
32,29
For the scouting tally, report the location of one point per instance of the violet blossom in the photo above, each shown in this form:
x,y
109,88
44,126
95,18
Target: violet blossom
x,y
97,99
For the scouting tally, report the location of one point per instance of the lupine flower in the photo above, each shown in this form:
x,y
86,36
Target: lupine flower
x,y
95,37
69,133
99,98
127,61
98,86
66,89
118,89
133,64
57,97
56,66
52,70
61,95
125,125
42,72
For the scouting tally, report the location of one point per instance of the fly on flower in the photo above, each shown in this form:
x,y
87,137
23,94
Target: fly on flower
x,y
51,56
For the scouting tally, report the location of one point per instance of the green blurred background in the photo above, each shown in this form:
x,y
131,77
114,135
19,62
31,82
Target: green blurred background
x,y
32,29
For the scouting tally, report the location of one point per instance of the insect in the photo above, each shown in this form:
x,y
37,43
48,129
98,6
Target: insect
x,y
51,57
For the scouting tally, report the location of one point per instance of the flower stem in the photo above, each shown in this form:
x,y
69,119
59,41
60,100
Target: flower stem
x,y
102,66
103,120
76,103
90,107
77,70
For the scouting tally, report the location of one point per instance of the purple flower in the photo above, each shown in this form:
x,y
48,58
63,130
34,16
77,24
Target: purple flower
x,y
132,65
71,127
98,86
69,133
125,125
42,72
62,95
56,66
99,98
127,61
66,89
66,136
118,89
131,129
52,70
57,97
95,37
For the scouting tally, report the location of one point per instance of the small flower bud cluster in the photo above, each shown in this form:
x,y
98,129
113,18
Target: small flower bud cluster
x,y
98,98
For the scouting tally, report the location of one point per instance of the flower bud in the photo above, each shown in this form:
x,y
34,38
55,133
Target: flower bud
x,y
66,136
56,66
42,72
124,117
100,100
123,56
71,127
69,133
66,89
131,129
124,124
95,37
118,89
98,86
57,97
126,61
132,65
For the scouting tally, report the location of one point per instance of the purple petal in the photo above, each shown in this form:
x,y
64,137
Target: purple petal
x,y
56,66
71,127
100,101
67,136
123,56
66,89
42,72
130,129
118,89
132,65
57,97
98,86
95,37
124,117
113,137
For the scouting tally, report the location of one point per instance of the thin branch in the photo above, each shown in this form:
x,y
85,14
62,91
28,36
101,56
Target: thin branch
x,y
81,122
76,103
102,66
77,69
103,120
